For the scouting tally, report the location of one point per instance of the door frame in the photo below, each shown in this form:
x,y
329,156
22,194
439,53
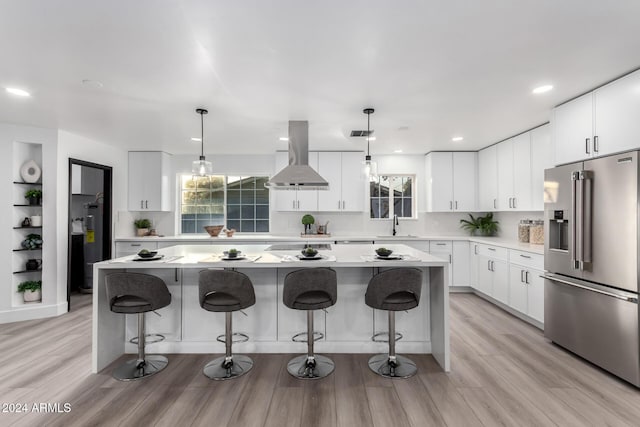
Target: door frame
x,y
107,205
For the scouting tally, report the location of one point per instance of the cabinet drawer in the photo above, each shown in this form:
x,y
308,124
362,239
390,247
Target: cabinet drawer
x,y
495,252
440,246
526,259
129,248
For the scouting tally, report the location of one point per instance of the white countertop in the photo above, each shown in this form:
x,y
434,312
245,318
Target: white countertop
x,y
249,238
201,256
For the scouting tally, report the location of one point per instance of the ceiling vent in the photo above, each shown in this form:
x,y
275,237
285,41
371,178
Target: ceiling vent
x,y
361,133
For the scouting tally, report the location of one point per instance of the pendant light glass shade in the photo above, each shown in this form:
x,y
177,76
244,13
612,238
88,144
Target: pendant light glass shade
x,y
201,167
369,167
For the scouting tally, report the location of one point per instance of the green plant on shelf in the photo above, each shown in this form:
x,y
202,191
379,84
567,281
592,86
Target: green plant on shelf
x,y
33,195
30,285
486,225
32,241
142,223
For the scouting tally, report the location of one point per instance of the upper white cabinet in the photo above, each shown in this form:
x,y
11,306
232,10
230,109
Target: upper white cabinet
x,y
541,159
149,181
599,123
295,200
573,130
346,182
451,181
514,173
487,179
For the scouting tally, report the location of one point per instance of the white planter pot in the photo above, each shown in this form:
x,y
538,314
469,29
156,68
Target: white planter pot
x,y
142,232
32,296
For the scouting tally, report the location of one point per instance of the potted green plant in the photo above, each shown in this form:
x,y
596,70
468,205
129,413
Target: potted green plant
x,y
142,225
32,241
31,290
34,196
485,225
308,220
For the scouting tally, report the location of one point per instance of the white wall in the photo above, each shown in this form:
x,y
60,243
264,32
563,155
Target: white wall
x,y
81,148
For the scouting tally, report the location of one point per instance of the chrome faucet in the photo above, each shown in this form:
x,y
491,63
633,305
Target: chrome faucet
x,y
395,222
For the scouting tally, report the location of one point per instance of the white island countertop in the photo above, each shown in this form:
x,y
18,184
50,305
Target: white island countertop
x,y
348,325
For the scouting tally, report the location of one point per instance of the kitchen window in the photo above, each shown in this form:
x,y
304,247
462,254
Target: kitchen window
x,y
240,202
392,195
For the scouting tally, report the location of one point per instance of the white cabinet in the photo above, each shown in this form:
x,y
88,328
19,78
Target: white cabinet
x,y
443,249
460,264
149,181
541,159
451,181
474,264
487,179
295,200
617,108
346,183
525,284
599,123
573,130
493,275
514,173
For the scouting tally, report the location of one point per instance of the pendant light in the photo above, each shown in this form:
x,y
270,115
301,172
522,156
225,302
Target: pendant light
x,y
201,167
370,168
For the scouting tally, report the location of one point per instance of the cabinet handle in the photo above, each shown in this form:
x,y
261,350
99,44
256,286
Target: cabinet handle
x,y
494,203
456,205
595,144
141,204
136,244
441,244
146,204
293,204
525,256
514,203
176,274
522,276
526,277
587,142
338,204
344,204
493,266
450,205
450,260
298,204
475,249
489,265
492,249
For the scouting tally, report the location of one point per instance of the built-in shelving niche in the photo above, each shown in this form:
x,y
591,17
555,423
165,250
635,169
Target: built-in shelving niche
x,y
23,152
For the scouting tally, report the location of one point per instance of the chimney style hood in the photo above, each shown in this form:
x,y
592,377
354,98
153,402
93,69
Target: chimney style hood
x,y
298,175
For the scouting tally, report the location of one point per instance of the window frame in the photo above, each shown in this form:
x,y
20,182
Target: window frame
x,y
225,203
414,202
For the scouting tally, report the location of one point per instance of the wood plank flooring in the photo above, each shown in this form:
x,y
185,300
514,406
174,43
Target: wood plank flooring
x,y
503,373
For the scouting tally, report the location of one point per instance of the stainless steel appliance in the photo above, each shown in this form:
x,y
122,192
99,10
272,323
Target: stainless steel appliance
x,y
591,261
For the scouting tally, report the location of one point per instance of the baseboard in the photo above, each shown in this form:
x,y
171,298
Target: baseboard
x,y
461,289
39,311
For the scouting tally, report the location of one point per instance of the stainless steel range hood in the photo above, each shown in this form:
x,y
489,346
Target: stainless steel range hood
x,y
298,175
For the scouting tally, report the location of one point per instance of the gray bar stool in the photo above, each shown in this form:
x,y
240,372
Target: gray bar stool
x,y
393,290
138,293
310,289
226,291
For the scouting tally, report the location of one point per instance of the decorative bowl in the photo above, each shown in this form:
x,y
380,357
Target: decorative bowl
x,y
214,230
148,254
383,252
309,252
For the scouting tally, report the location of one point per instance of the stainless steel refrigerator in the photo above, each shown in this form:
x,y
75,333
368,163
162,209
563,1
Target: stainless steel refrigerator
x,y
591,261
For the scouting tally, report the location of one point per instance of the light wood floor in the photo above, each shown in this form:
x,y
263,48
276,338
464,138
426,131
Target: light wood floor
x,y
503,373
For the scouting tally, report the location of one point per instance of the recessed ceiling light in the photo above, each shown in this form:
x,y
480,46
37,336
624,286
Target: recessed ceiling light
x,y
457,138
196,139
92,83
371,138
397,151
542,89
283,138
16,91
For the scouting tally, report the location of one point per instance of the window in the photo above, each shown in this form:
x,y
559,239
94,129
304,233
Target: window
x,y
240,202
392,195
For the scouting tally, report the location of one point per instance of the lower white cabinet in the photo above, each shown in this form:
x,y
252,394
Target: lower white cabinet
x,y
526,291
460,264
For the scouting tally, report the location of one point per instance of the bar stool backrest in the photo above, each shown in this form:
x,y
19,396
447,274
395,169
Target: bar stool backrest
x,y
307,281
396,289
149,288
232,283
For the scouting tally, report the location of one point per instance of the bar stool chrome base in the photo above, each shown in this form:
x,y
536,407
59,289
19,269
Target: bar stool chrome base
x,y
224,368
385,366
135,369
310,368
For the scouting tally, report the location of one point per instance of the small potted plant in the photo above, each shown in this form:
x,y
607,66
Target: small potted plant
x,y
34,196
486,225
233,253
31,290
308,220
32,241
142,225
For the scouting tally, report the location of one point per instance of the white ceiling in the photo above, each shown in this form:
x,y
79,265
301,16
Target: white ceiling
x,y
431,69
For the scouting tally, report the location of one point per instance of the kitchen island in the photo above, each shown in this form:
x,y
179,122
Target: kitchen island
x,y
348,325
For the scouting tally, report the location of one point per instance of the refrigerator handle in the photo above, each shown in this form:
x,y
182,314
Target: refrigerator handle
x,y
587,288
586,178
575,263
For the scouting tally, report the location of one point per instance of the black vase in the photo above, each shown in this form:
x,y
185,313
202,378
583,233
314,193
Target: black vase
x,y
34,201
